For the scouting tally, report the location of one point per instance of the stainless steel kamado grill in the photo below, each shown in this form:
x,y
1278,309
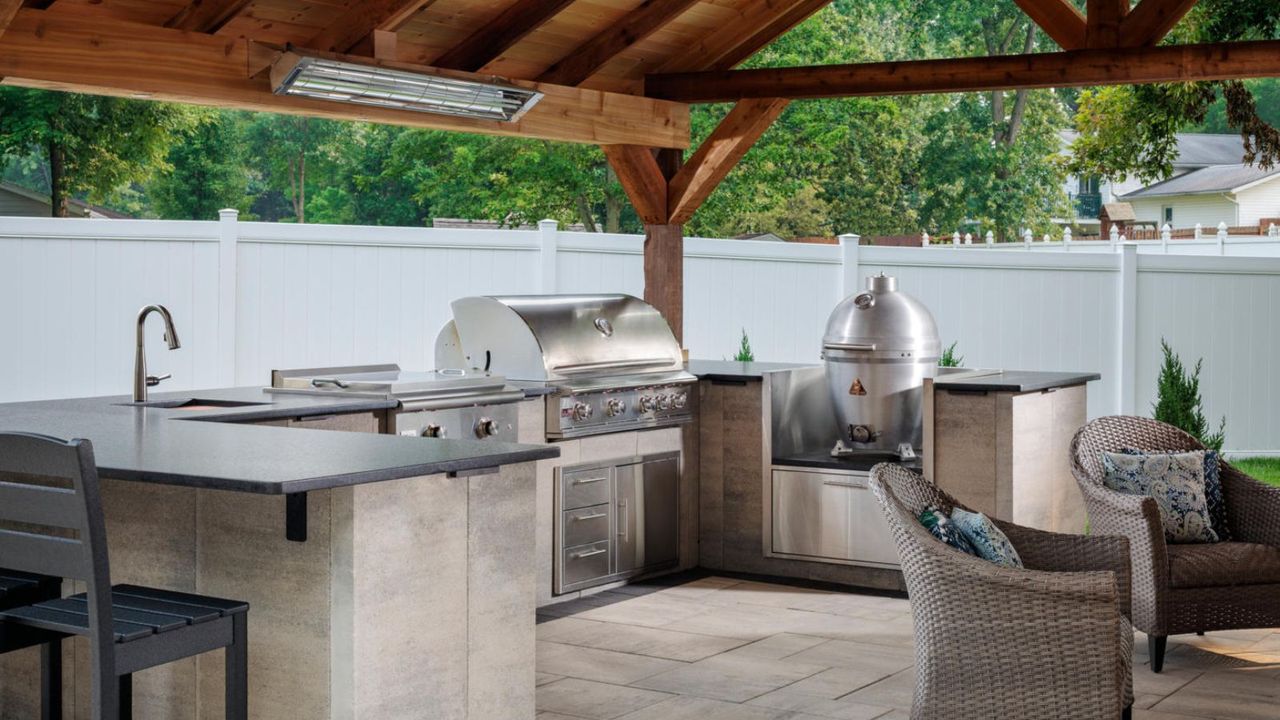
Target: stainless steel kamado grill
x,y
610,362
879,347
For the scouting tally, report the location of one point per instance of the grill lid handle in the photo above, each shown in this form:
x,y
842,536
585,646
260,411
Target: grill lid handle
x,y
862,347
612,364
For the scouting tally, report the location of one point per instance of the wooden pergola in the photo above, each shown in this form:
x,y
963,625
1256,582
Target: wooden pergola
x,y
616,73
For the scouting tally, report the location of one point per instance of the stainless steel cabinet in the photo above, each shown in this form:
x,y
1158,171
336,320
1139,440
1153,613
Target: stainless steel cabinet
x,y
616,519
829,516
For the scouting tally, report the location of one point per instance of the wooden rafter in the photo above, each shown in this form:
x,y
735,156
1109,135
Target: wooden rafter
x,y
65,50
642,179
1151,20
1103,20
716,156
758,24
1059,19
357,24
206,16
8,11
1117,66
499,34
592,55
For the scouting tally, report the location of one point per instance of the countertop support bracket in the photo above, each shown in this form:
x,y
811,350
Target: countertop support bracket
x,y
295,517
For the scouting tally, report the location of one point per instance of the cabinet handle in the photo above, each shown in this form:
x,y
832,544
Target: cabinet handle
x,y
587,553
597,516
587,481
622,519
837,483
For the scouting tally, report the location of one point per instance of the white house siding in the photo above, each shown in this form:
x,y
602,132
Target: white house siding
x,y
1207,210
1260,201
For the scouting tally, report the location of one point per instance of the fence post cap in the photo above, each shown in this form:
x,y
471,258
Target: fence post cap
x,y
228,214
548,223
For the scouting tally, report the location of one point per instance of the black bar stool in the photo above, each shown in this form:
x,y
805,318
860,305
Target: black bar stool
x,y
49,485
17,589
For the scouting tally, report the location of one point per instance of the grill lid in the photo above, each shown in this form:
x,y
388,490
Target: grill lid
x,y
574,339
883,322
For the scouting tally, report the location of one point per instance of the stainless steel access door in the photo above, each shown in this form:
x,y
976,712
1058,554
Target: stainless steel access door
x,y
647,529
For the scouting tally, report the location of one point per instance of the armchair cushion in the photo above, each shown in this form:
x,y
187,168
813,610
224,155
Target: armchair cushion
x,y
990,541
1176,481
1223,565
1212,488
941,527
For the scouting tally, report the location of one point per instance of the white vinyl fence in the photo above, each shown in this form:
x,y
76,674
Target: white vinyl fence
x,y
250,297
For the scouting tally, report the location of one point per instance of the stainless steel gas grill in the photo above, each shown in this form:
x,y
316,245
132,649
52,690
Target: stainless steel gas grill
x,y
609,364
610,360
449,403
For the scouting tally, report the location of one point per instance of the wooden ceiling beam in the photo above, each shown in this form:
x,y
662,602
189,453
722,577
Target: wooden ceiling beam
x,y
357,23
66,51
642,179
498,35
206,16
1103,21
718,154
754,42
635,26
1151,21
1059,19
716,50
8,11
1116,66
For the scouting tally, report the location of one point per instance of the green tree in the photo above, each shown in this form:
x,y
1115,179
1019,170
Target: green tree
x,y
1131,131
205,172
293,153
89,144
1178,400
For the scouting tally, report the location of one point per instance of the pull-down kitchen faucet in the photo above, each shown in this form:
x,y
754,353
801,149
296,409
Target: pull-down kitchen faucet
x,y
141,380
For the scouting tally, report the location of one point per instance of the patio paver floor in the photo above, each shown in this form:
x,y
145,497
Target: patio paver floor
x,y
718,648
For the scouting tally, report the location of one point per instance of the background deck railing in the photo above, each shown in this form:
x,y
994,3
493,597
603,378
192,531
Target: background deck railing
x,y
249,297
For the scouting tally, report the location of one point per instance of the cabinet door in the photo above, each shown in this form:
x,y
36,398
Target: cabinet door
x,y
647,503
811,514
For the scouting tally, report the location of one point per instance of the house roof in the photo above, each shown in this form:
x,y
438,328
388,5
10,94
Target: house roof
x,y
1215,179
1195,150
79,207
1120,212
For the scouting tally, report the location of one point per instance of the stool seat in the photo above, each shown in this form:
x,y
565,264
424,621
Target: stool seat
x,y
137,612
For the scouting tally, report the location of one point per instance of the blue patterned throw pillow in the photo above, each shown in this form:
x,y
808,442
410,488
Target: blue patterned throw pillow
x,y
1212,489
1176,481
990,541
941,527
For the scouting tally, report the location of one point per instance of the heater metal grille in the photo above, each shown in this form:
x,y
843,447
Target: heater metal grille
x,y
338,81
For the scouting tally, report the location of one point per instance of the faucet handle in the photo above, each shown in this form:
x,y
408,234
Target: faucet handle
x,y
154,380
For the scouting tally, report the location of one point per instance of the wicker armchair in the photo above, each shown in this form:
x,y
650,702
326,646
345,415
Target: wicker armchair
x,y
1184,588
1049,641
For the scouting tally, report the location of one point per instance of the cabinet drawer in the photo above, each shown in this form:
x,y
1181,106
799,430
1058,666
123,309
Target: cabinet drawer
x,y
585,525
584,562
583,488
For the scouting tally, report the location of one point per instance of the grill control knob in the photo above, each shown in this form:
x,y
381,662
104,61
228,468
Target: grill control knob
x,y
581,411
433,430
614,407
647,404
487,427
664,402
679,400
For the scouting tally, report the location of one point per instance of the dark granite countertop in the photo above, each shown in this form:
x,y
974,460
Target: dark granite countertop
x,y
1012,380
733,370
152,444
822,459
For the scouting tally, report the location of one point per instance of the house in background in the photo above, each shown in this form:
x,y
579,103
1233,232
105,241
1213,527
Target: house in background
x,y
1209,185
1239,195
17,201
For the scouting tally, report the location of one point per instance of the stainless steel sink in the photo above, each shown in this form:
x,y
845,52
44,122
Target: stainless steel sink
x,y
194,404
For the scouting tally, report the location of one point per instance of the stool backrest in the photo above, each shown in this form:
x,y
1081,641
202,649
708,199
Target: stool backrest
x,y
51,523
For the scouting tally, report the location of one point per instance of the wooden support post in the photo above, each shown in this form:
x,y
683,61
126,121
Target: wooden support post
x,y
1151,20
1104,18
664,273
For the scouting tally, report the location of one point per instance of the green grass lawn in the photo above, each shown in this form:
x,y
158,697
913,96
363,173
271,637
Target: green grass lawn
x,y
1266,469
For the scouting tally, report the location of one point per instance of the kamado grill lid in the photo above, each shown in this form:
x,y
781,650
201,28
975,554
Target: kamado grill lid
x,y
881,321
